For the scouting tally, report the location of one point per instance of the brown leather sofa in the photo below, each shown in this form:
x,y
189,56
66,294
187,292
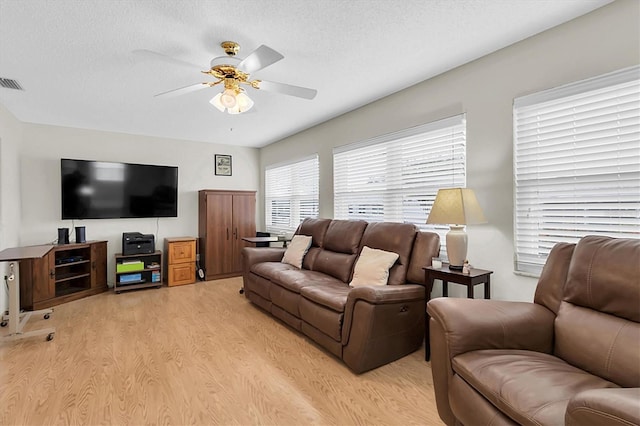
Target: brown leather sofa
x,y
571,357
365,326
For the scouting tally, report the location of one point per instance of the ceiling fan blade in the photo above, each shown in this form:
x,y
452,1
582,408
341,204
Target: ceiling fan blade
x,y
149,54
182,90
288,89
260,58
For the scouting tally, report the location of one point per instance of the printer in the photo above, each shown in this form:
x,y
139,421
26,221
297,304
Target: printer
x,y
137,243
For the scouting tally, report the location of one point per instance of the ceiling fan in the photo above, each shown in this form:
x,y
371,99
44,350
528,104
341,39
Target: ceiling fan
x,y
233,73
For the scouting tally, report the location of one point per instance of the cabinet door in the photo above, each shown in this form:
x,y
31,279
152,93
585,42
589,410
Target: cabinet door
x,y
182,251
219,256
44,278
181,273
244,225
99,264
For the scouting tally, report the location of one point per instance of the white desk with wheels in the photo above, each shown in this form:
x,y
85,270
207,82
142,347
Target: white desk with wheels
x,y
17,320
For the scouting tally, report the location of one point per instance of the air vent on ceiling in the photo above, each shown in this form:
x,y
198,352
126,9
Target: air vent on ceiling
x,y
8,83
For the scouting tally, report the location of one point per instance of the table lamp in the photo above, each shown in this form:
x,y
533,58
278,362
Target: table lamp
x,y
456,207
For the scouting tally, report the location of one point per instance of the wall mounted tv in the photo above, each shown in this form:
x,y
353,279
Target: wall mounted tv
x,y
105,190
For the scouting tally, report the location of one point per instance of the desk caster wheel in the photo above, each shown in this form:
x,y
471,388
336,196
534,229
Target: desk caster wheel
x,y
49,337
47,316
241,291
3,324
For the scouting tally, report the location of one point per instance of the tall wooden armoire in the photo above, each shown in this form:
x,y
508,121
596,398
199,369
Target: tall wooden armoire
x,y
224,217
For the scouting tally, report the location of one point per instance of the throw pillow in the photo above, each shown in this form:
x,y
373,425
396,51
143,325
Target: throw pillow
x,y
296,250
372,267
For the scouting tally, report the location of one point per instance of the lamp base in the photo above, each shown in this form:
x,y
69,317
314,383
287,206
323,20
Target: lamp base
x,y
456,247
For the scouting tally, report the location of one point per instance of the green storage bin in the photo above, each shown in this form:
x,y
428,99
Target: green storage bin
x,y
129,266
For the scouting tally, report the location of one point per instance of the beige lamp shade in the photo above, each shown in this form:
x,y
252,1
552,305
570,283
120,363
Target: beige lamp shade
x,y
456,206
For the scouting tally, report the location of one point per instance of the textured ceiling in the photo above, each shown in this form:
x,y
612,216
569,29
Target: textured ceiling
x,y
75,58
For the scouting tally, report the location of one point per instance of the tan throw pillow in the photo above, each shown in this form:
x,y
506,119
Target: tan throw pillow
x,y
296,250
372,267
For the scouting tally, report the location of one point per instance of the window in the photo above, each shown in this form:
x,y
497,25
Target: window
x,y
291,194
576,164
395,177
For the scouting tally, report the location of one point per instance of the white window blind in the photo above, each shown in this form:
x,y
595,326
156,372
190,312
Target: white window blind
x,y
576,165
395,177
291,194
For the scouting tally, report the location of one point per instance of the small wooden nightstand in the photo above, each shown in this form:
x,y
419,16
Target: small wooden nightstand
x,y
473,278
181,260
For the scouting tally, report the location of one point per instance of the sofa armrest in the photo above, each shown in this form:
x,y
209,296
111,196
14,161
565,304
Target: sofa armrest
x,y
253,255
604,406
474,324
462,325
378,294
382,324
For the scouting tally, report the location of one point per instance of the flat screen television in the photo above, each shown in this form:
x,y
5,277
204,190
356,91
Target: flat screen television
x,y
106,190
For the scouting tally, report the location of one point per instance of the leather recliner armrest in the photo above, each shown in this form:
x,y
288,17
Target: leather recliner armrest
x,y
463,325
377,294
253,255
612,406
474,324
382,324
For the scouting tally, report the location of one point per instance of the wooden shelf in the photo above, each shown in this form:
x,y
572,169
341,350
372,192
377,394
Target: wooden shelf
x,y
146,273
70,276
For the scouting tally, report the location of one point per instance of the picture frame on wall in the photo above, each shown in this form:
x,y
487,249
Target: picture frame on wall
x,y
223,165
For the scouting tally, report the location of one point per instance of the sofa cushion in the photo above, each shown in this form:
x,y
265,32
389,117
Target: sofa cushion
x,y
599,343
332,296
316,228
328,321
425,247
296,250
372,267
341,245
542,391
295,279
393,237
270,269
310,258
343,236
603,275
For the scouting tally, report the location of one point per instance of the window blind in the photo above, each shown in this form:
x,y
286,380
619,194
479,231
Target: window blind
x,y
395,177
291,194
576,165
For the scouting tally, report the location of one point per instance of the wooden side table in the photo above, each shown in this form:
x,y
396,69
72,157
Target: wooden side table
x,y
473,278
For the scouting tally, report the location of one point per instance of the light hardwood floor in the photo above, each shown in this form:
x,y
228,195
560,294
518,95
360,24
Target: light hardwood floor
x,y
196,354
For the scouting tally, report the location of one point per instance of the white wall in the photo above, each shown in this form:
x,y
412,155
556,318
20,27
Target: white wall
x,y
10,138
43,146
602,41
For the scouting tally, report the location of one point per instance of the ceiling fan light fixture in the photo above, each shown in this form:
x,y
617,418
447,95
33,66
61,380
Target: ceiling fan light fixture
x,y
215,101
228,98
242,102
245,103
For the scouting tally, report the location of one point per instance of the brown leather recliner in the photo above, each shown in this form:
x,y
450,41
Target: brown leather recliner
x,y
571,357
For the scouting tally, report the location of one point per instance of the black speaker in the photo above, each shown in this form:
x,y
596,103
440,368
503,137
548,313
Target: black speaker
x,y
81,237
63,235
